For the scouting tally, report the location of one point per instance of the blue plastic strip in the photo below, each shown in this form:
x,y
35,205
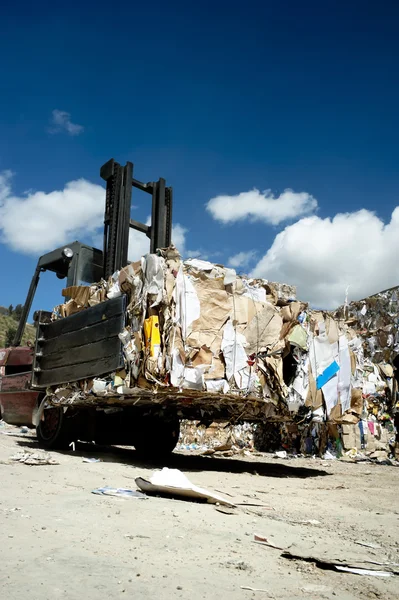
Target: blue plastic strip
x,y
327,374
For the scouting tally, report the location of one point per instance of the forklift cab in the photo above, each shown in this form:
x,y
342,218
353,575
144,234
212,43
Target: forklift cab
x,y
81,264
78,263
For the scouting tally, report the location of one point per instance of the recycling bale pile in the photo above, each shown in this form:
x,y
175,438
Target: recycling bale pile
x,y
198,337
215,345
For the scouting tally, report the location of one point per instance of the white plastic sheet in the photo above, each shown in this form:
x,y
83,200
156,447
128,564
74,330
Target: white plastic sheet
x,y
233,350
188,307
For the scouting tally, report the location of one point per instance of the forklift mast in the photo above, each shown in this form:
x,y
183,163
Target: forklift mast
x,y
117,221
81,263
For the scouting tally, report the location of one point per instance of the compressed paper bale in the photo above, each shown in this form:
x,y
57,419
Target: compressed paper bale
x,y
264,329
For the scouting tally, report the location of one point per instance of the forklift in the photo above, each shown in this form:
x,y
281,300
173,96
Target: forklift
x,y
74,349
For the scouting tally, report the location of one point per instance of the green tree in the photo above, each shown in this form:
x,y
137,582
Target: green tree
x,y
17,312
10,310
10,334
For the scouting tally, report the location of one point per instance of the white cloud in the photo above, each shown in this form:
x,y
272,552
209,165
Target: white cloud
x,y
179,238
196,254
261,206
61,122
41,221
242,259
324,256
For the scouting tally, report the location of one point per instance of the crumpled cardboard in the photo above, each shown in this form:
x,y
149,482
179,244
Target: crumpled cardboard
x,y
79,293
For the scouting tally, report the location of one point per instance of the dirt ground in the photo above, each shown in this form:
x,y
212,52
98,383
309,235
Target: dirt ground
x,y
58,540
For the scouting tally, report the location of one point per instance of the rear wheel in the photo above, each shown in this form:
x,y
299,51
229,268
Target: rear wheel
x,y
155,436
55,429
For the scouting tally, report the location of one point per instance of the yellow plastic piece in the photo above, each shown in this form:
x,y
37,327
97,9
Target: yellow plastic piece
x,y
152,335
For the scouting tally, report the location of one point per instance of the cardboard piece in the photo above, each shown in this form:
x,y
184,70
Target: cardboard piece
x,y
173,482
79,293
357,401
291,312
263,330
202,357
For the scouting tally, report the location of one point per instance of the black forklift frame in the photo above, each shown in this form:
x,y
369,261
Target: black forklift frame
x,y
67,261
117,221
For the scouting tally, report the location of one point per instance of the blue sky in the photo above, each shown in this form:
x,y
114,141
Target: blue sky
x,y
219,101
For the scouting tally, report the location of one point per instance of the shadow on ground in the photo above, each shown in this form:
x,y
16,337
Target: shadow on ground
x,y
185,462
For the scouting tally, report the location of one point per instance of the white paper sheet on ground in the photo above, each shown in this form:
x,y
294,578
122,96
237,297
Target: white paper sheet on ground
x,y
367,572
188,307
175,483
217,385
154,275
344,373
258,294
201,265
232,347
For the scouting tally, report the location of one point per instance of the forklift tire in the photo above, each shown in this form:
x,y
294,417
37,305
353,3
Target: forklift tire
x,y
55,430
155,437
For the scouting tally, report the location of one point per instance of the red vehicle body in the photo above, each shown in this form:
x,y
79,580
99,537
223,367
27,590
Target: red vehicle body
x,y
17,401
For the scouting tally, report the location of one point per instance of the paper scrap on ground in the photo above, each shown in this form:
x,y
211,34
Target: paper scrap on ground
x,y
367,572
260,539
368,544
122,492
358,566
173,482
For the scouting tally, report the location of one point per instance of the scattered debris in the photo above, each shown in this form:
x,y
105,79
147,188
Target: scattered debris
x,y
260,539
173,482
121,492
240,565
226,510
252,589
357,566
34,458
280,454
91,460
369,545
24,429
367,572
